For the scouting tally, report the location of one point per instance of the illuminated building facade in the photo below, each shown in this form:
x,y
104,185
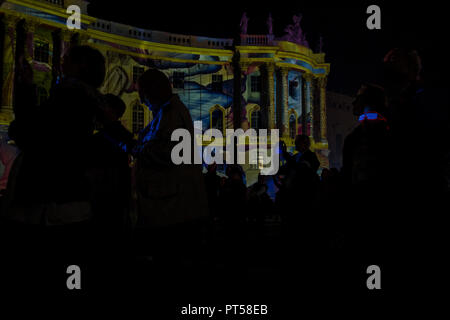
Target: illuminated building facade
x,y
262,82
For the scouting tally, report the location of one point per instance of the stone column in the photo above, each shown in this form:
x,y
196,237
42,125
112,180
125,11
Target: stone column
x,y
30,28
237,81
66,37
300,92
303,106
308,103
9,49
323,109
271,96
285,103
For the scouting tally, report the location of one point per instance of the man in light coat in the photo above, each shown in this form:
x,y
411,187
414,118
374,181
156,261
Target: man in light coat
x,y
171,198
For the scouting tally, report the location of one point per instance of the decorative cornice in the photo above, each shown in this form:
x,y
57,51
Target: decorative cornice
x,y
278,54
308,77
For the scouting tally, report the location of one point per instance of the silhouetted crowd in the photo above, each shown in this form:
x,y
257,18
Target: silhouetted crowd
x,y
82,190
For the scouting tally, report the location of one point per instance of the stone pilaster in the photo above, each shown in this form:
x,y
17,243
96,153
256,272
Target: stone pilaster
x,y
285,103
66,37
271,95
9,49
308,103
323,109
30,28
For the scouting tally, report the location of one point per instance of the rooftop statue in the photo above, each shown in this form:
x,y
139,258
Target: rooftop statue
x,y
294,32
244,23
270,24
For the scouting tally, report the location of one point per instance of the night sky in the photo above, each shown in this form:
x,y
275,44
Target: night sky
x,y
355,53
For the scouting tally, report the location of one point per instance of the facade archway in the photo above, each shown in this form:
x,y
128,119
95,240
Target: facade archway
x,y
217,118
254,115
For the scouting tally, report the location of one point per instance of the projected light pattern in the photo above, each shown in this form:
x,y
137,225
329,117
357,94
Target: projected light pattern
x,y
282,83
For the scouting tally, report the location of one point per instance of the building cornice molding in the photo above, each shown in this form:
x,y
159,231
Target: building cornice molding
x,y
50,9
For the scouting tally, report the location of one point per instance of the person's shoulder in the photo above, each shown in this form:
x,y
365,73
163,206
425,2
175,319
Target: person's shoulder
x,y
177,104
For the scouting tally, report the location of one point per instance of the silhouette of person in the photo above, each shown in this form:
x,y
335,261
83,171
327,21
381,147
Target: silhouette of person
x,y
300,186
233,200
110,171
419,120
110,183
366,170
50,201
260,205
366,147
212,185
171,198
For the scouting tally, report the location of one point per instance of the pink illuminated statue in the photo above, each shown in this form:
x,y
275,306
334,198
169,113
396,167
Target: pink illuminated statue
x,y
244,23
295,33
270,24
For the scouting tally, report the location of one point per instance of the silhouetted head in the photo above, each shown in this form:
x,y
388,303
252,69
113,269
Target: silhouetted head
x,y
234,172
401,67
154,88
86,64
212,168
114,108
370,97
302,143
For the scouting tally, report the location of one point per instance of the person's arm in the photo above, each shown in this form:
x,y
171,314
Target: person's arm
x,y
158,150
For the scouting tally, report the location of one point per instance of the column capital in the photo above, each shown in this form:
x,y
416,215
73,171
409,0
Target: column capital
x,y
307,76
284,71
322,82
31,24
11,20
270,67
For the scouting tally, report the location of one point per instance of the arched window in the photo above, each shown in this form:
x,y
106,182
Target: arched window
x,y
292,127
217,119
138,117
255,120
